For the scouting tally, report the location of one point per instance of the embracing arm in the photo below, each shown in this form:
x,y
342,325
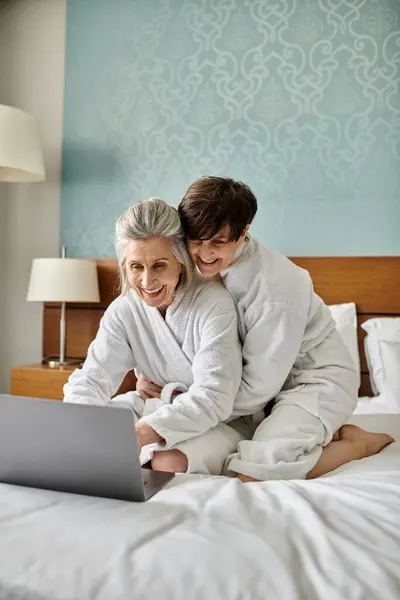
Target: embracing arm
x,y
274,336
109,358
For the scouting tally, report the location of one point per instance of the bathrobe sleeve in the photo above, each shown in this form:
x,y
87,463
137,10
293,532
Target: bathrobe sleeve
x,y
217,369
109,359
274,336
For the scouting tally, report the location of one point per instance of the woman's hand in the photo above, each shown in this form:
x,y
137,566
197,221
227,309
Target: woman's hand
x,y
146,435
147,389
246,479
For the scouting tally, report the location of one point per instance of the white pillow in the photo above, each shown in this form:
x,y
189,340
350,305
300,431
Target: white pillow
x,y
384,329
390,352
345,316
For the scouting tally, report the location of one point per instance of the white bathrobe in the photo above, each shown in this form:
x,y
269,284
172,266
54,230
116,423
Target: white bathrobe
x,y
196,346
291,353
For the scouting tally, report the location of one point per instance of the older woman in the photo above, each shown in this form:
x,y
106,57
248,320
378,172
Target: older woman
x,y
177,330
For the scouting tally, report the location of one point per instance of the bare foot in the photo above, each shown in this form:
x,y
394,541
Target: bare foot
x,y
368,443
246,479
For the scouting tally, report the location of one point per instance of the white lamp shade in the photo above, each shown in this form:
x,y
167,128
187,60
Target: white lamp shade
x,y
63,280
21,158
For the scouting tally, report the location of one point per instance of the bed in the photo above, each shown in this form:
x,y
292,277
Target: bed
x,y
212,538
337,537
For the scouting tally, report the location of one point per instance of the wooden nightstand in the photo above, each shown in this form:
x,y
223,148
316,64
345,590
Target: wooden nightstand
x,y
40,381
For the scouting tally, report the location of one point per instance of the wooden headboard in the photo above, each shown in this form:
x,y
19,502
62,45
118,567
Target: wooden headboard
x,y
373,283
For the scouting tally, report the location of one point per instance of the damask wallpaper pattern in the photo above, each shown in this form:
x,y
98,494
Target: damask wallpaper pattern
x,y
298,98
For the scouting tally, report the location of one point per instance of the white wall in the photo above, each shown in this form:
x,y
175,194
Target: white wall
x,y
32,54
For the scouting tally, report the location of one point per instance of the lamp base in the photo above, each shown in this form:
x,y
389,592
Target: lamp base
x,y
54,362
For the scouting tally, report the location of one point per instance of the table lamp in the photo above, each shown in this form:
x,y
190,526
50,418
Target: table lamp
x,y
63,280
21,159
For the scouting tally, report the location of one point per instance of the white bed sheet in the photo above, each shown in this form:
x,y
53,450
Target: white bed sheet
x,y
213,538
375,405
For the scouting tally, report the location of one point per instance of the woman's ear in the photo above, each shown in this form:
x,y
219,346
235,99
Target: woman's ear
x,y
244,234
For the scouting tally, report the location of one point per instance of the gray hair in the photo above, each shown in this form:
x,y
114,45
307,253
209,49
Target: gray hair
x,y
152,218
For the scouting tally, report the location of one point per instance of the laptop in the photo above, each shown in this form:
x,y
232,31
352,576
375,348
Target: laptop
x,y
74,448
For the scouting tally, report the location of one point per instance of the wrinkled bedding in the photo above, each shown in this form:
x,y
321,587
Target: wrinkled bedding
x,y
213,538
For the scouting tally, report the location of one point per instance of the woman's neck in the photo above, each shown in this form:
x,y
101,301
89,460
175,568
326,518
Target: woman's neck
x,y
163,311
239,251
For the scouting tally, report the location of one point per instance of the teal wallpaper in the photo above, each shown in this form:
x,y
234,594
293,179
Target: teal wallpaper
x,y
298,98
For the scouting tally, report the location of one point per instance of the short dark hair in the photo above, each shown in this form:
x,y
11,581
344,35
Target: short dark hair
x,y
211,203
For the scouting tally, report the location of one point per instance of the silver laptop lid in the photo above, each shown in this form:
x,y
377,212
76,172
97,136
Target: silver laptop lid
x,y
72,448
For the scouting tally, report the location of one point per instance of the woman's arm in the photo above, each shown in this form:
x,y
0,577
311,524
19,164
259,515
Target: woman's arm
x,y
109,358
273,340
217,369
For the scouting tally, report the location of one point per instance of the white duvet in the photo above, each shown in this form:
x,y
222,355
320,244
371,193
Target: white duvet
x,y
213,538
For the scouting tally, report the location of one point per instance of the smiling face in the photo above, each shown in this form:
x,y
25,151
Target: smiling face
x,y
218,253
152,270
